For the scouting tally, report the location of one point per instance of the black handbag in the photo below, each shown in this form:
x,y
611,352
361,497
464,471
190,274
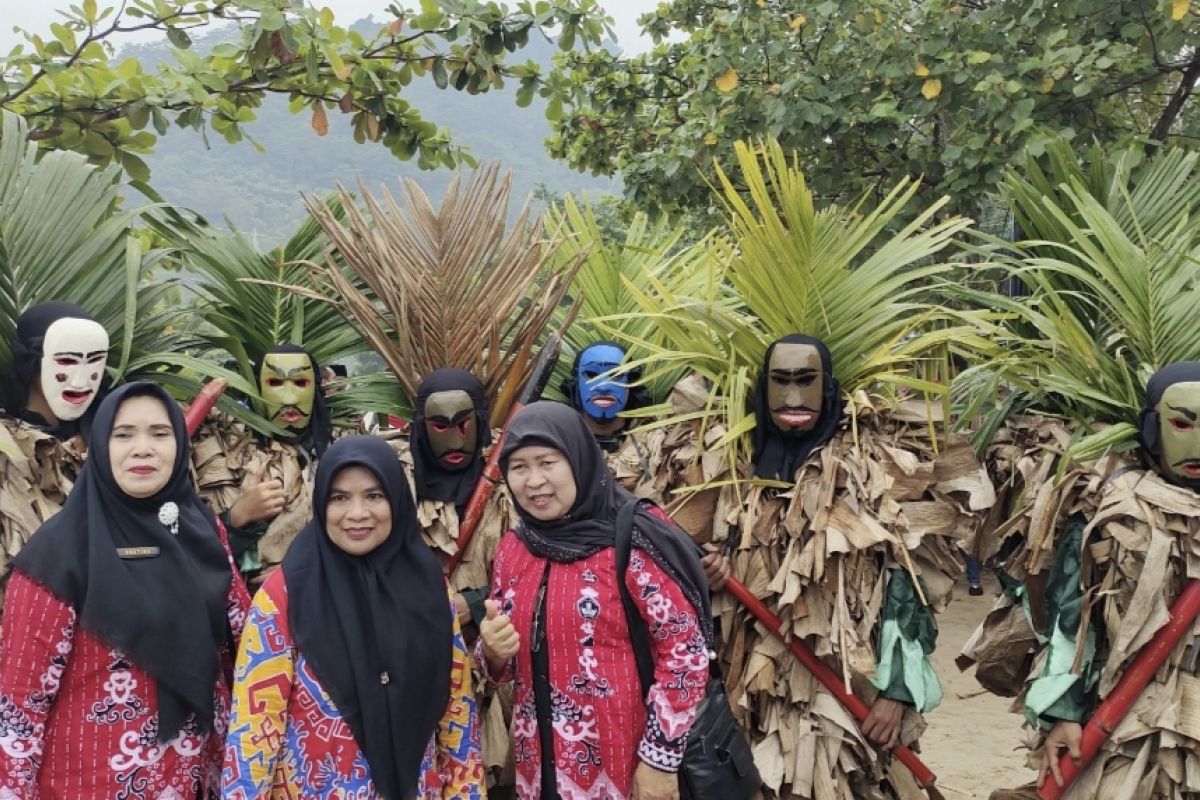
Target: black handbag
x,y
717,763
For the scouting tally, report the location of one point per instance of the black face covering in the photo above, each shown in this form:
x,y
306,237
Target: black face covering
x,y
1149,420
433,482
358,619
166,612
319,433
27,363
778,454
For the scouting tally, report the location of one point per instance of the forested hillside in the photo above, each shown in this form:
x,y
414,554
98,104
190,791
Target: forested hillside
x,y
259,191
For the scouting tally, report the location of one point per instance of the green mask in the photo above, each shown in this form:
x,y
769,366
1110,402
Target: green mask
x,y
795,387
1179,433
289,388
451,427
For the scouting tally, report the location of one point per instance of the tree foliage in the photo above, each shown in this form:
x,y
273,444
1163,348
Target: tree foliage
x,y
871,91
75,97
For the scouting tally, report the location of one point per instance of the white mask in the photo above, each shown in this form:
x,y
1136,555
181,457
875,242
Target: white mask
x,y
74,352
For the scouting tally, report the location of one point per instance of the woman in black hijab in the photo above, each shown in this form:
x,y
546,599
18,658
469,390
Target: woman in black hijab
x,y
353,649
121,618
556,621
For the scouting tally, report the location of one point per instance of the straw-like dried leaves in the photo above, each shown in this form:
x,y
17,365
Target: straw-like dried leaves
x,y
446,287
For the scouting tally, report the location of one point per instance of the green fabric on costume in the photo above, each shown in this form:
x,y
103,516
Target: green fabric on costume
x,y
1058,693
907,635
475,599
244,543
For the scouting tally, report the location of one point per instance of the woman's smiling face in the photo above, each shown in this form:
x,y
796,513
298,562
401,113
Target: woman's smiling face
x,y
141,447
541,481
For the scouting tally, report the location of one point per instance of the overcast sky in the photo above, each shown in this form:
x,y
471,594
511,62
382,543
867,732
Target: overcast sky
x,y
36,16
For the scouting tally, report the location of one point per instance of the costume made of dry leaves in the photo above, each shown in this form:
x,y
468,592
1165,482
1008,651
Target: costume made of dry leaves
x,y
227,456
34,485
818,554
1140,546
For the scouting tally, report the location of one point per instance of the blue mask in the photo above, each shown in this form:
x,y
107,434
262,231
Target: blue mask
x,y
600,398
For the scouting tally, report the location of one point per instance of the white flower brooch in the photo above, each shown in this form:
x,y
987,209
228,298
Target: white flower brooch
x,y
168,515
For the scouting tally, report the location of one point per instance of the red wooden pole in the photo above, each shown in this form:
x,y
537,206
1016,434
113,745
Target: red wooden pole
x,y
828,678
204,402
1114,708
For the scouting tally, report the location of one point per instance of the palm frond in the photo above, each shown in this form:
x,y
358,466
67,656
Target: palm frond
x,y
1113,289
606,270
837,273
64,235
448,287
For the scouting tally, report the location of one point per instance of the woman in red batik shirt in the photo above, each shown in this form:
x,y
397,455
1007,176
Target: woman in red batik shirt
x,y
556,624
120,625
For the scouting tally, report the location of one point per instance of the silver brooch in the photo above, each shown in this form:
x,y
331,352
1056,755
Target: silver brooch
x,y
169,515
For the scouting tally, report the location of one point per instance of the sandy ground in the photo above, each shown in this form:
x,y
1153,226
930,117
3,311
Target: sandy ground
x,y
973,739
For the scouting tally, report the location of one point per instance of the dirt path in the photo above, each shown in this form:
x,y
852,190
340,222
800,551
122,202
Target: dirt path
x,y
972,738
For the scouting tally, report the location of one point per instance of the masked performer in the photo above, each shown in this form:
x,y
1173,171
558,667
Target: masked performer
x,y
261,486
1096,581
854,551
59,356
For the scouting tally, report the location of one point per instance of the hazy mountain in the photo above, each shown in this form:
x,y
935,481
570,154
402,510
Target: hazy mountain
x,y
259,191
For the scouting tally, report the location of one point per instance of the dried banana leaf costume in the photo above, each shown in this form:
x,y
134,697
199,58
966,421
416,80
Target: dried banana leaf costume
x,y
60,345
1105,553
852,555
229,457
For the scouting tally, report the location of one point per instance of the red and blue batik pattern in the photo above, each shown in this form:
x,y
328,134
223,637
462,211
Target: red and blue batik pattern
x,y
288,740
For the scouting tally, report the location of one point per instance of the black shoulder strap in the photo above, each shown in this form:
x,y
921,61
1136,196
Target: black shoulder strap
x,y
639,634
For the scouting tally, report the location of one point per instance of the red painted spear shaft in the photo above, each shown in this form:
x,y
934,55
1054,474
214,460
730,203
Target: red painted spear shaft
x,y
542,369
1114,708
204,402
828,678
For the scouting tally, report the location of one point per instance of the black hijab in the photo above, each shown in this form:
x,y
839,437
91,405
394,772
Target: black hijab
x,y
1148,417
27,363
777,454
166,612
319,433
356,618
432,481
590,526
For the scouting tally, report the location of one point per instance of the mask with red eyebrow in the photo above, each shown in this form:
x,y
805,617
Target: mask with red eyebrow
x,y
74,354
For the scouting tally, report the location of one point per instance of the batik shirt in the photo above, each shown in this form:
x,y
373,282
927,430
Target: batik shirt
x,y
79,720
602,726
288,740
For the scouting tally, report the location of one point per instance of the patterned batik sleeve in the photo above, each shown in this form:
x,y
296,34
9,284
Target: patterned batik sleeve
x,y
262,686
237,603
38,635
459,755
680,662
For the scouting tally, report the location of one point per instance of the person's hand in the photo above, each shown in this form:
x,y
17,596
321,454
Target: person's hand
x,y
261,500
1064,734
462,609
653,784
717,567
500,639
882,725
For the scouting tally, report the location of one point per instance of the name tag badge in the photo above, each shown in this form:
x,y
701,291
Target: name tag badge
x,y
137,552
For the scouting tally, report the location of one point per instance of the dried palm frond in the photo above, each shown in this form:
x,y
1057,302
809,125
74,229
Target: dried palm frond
x,y
446,287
